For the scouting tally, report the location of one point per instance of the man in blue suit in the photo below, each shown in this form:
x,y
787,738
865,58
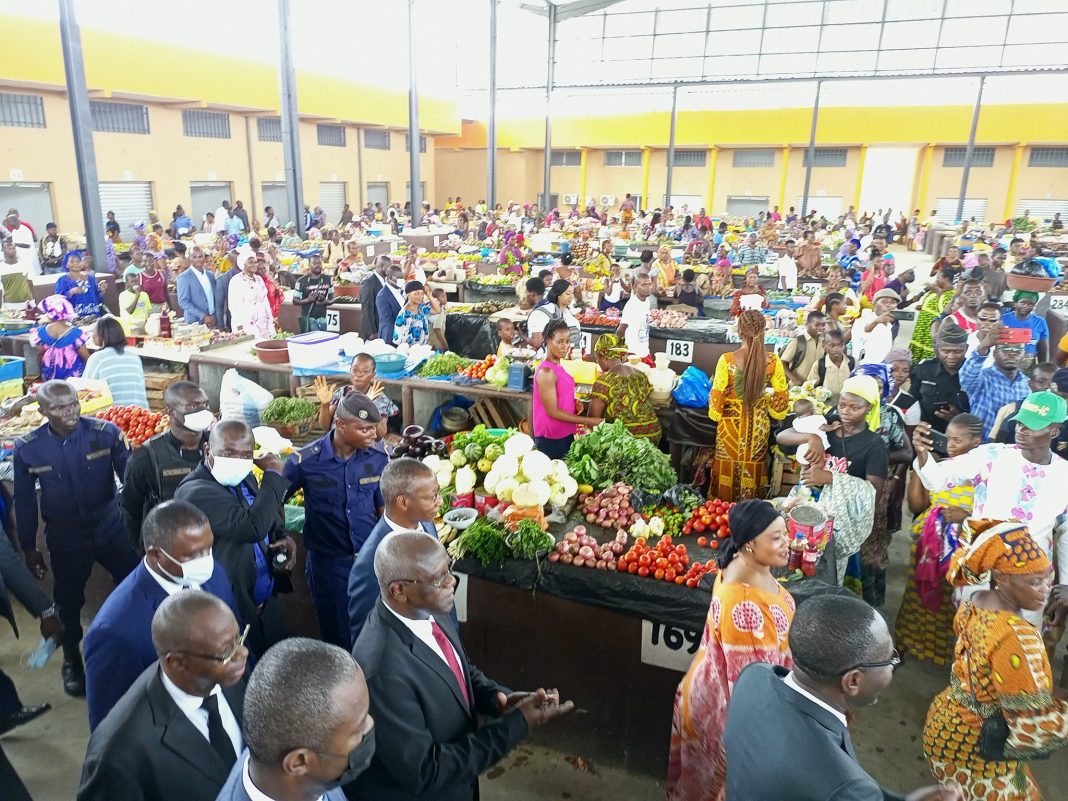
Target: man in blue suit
x,y
118,646
388,303
306,724
196,291
410,493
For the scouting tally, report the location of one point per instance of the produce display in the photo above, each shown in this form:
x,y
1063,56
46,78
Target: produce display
x,y
416,443
665,318
581,550
479,369
494,280
489,370
611,508
136,423
483,540
665,561
593,317
282,411
489,307
610,453
711,519
529,539
447,363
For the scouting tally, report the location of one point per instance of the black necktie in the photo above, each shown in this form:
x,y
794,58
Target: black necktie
x,y
220,740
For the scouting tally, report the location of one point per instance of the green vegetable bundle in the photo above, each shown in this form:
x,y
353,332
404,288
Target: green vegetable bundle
x,y
529,539
447,363
289,410
480,436
482,540
610,453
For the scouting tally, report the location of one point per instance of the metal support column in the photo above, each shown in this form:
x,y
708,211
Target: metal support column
x,y
671,144
290,119
970,149
810,153
491,133
82,125
413,121
548,151
251,171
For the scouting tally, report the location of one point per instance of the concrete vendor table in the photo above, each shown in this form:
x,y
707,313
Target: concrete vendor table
x,y
421,396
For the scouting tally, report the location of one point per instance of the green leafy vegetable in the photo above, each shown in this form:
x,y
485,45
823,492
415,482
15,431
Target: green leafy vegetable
x,y
480,436
529,539
446,363
289,410
610,453
482,540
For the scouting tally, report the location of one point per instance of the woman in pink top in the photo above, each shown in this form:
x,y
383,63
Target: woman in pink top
x,y
555,408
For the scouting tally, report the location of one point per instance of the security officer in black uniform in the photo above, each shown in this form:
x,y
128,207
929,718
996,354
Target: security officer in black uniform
x,y
339,474
158,466
76,460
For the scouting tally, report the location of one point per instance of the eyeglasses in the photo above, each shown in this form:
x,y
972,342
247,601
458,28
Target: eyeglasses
x,y
437,584
228,655
892,663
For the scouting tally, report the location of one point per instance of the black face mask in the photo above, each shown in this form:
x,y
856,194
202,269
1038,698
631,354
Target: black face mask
x,y
359,761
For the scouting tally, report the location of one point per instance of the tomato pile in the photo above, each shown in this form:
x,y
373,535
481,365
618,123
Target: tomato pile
x,y
479,369
136,423
664,561
711,518
674,519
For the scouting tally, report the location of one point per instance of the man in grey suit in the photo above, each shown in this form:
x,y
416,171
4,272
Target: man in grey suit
x,y
369,289
176,733
786,734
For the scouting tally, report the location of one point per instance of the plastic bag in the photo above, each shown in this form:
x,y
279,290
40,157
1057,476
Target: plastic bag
x,y
242,399
693,388
683,496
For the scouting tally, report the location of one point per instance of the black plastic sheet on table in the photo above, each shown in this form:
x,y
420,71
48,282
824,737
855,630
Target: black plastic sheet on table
x,y
470,335
701,330
691,425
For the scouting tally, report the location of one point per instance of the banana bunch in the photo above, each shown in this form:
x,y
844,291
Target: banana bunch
x,y
446,533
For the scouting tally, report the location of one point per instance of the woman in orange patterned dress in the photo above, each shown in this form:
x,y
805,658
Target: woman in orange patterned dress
x,y
748,391
748,621
1000,669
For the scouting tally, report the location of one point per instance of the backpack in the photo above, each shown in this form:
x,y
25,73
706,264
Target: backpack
x,y
821,367
799,352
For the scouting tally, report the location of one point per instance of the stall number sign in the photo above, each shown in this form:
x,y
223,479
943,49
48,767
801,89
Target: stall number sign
x,y
586,342
668,647
1058,302
370,251
460,596
680,350
811,288
333,320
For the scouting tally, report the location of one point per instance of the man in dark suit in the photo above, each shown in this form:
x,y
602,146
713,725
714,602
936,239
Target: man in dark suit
x,y
177,732
786,734
426,696
118,646
369,289
306,725
410,494
388,303
246,520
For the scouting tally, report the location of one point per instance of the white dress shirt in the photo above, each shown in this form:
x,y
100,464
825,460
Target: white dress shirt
x,y
791,682
191,708
205,284
254,792
422,631
169,587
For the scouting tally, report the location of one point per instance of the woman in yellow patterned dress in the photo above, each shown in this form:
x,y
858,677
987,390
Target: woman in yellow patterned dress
x,y
748,391
748,621
622,392
1000,669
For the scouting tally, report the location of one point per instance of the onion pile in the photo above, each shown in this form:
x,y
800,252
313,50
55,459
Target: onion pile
x,y
611,508
581,550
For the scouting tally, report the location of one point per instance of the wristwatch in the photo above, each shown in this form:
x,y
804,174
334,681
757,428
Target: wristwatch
x,y
49,612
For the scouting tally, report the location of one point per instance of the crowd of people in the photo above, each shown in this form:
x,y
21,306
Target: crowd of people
x,y
195,690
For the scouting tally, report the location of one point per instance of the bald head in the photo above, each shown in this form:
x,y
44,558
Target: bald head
x,y
228,434
182,619
404,555
55,391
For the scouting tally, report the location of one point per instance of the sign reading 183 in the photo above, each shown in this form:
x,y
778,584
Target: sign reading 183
x,y
680,350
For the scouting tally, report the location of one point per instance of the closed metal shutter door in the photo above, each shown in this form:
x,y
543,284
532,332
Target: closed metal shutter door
x,y
946,209
824,205
274,194
130,200
332,199
747,205
378,193
34,202
1039,209
206,196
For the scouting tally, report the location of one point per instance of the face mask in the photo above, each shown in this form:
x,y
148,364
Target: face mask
x,y
229,471
40,655
199,421
194,572
359,761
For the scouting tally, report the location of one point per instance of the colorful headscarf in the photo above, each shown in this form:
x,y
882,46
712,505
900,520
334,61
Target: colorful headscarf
x,y
609,347
876,371
865,388
57,307
1023,294
1002,545
69,255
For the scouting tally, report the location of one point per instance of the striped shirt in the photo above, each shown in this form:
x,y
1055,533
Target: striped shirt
x,y
989,389
123,373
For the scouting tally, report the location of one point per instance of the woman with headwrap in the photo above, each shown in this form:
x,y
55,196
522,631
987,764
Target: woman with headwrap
x,y
852,468
1001,673
412,326
250,311
898,362
79,286
60,343
748,621
290,238
932,307
622,392
924,626
511,256
750,288
748,391
1023,316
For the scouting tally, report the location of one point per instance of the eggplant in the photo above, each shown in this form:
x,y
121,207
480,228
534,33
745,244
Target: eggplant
x,y
413,432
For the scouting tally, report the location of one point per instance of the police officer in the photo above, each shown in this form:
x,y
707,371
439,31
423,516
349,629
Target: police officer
x,y
76,460
339,474
157,466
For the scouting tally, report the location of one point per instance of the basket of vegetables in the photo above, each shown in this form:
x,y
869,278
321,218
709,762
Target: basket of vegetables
x,y
290,417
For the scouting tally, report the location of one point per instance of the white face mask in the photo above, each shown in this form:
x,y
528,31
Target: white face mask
x,y
199,421
229,471
195,572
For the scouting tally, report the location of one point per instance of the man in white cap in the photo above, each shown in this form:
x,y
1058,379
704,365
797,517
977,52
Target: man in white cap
x,y
25,240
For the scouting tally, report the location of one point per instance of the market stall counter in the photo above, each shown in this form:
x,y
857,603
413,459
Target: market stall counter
x,y
340,317
700,342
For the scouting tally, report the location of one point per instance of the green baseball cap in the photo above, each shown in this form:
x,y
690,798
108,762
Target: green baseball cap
x,y
1041,409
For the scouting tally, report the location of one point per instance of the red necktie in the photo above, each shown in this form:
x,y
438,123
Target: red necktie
x,y
450,657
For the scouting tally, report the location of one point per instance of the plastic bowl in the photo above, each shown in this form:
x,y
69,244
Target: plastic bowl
x,y
1030,283
460,518
390,363
273,351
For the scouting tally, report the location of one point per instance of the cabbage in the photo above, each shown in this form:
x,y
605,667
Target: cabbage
x,y
536,466
491,481
559,470
568,485
506,488
524,496
432,461
506,465
558,498
541,491
518,445
466,478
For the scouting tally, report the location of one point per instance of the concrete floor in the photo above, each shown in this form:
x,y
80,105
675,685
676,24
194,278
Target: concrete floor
x,y
48,752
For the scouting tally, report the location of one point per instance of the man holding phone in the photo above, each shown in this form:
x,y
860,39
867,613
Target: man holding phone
x,y
314,292
935,381
992,386
875,329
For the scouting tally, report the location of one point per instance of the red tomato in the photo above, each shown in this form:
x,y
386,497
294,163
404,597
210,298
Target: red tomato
x,y
702,541
633,568
700,526
659,574
644,560
713,544
621,565
691,582
643,571
669,574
